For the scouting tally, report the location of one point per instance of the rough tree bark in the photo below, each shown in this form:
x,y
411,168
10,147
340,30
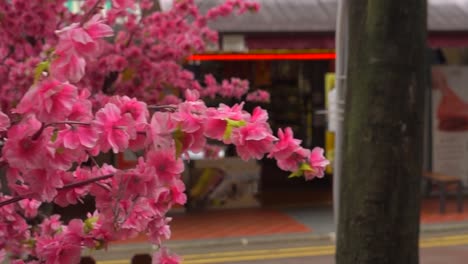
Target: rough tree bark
x,y
380,186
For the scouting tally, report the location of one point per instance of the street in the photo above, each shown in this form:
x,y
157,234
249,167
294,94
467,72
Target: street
x,y
434,249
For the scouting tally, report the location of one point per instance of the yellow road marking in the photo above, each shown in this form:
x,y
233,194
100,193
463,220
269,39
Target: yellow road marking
x,y
439,238
262,257
261,251
265,254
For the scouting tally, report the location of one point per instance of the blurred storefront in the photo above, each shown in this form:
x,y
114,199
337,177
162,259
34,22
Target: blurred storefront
x,y
287,49
283,50
296,88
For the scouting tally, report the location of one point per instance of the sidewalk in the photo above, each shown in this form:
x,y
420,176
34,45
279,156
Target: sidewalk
x,y
240,226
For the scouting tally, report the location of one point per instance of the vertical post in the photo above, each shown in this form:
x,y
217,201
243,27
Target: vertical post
x,y
341,49
382,145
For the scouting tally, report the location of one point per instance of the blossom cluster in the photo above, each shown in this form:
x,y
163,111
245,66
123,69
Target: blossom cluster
x,y
87,96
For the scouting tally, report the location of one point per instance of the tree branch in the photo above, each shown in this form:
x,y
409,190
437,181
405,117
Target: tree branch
x,y
65,187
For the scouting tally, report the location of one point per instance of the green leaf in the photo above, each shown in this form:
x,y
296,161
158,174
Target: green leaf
x,y
40,68
178,136
295,174
236,123
231,124
54,136
227,132
29,242
305,167
89,224
300,171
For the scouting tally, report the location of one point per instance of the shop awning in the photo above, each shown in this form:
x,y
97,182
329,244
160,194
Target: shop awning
x,y
311,23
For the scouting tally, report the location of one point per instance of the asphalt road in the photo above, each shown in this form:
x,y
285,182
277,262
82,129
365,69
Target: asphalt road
x,y
436,255
438,248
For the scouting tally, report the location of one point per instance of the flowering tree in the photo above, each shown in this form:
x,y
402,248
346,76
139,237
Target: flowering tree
x,y
73,86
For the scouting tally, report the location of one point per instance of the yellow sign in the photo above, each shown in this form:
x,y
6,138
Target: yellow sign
x,y
329,135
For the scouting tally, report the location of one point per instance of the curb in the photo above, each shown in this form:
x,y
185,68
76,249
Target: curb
x,y
440,228
244,241
425,229
142,247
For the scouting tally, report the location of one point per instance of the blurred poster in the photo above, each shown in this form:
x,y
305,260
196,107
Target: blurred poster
x,y
450,121
224,183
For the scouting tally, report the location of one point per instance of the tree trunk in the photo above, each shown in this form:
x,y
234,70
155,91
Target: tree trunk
x,y
382,158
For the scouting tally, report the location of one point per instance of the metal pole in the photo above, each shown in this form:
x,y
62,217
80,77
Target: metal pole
x,y
341,47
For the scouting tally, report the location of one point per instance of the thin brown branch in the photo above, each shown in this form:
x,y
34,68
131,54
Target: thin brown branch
x,y
69,123
13,200
163,108
85,182
65,187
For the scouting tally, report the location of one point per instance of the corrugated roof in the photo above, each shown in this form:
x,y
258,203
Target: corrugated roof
x,y
320,16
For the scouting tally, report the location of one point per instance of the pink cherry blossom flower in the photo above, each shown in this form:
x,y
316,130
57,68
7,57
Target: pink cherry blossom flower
x,y
286,144
57,250
68,67
170,100
76,136
192,95
260,96
254,139
164,257
20,261
75,44
82,109
292,161
4,121
177,192
62,158
50,101
165,162
73,195
287,151
137,109
141,140
50,225
2,255
96,28
30,207
75,232
81,40
194,142
44,183
318,163
159,229
190,116
138,213
116,129
123,4
161,128
216,119
141,180
21,150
